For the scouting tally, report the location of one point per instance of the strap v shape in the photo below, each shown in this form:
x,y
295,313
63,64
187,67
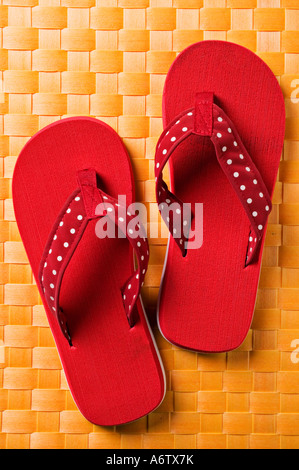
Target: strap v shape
x,y
208,119
88,202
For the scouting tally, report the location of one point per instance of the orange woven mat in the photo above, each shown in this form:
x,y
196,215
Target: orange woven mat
x,y
109,59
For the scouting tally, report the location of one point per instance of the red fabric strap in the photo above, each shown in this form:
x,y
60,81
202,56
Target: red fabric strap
x,y
203,114
79,209
207,119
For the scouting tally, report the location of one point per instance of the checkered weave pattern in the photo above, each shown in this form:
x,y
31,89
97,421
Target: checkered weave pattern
x,y
109,59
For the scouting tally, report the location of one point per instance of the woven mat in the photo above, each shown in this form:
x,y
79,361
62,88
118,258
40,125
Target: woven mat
x,y
109,59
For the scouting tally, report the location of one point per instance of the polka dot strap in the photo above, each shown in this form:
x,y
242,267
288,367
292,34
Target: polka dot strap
x,y
172,136
129,226
244,177
62,242
88,202
207,119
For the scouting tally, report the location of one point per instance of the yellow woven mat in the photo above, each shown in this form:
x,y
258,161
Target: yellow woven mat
x,y
109,59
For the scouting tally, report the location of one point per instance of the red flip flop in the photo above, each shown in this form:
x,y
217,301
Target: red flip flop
x,y
67,181
223,114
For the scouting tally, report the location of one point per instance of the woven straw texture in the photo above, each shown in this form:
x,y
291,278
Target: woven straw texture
x,y
109,59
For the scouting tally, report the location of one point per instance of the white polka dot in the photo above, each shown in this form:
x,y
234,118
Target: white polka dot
x,y
219,135
178,211
254,213
242,187
105,197
224,149
173,139
54,309
59,258
164,152
131,231
254,181
143,271
247,168
267,208
52,286
61,224
235,143
168,219
52,298
45,265
229,161
121,219
137,276
181,242
124,296
261,195
190,114
55,236
72,230
236,174
249,200
50,251
109,209
80,217
168,201
229,130
220,119
158,164
185,129
178,122
68,211
250,239
54,272
65,244
139,244
241,156
77,198
129,286
185,223
142,258
260,227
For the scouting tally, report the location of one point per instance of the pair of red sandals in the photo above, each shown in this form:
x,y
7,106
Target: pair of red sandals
x,y
67,180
